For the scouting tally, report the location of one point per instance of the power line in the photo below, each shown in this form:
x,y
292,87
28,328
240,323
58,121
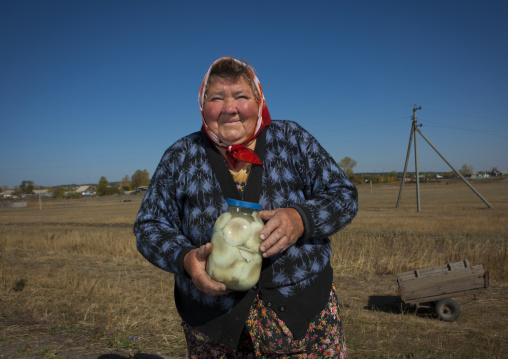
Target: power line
x,y
466,129
467,115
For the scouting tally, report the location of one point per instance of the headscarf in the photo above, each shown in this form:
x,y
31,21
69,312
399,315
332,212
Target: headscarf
x,y
237,152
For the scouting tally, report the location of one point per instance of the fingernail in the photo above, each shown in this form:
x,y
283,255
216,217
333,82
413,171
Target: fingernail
x,y
262,249
262,236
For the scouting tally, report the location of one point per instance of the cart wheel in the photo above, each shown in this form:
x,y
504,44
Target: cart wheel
x,y
447,309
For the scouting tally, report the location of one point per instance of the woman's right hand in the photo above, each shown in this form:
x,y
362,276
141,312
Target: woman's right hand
x,y
194,263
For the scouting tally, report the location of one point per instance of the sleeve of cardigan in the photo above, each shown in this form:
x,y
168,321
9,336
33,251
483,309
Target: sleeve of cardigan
x,y
157,226
331,199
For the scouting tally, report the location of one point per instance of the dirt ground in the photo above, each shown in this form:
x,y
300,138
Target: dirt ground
x,y
377,324
23,337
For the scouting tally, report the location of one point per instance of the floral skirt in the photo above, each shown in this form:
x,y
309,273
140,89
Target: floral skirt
x,y
266,336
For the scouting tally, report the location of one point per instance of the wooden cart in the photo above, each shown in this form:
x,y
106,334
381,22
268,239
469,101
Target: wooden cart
x,y
434,287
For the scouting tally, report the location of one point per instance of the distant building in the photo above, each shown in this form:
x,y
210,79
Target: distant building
x,y
499,173
42,192
85,190
7,193
142,189
482,174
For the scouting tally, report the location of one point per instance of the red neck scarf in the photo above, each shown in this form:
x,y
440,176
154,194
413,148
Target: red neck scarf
x,y
239,152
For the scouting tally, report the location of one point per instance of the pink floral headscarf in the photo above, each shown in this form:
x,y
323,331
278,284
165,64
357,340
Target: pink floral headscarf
x,y
237,152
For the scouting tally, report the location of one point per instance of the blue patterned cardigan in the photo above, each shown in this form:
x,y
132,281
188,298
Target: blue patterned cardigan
x,y
186,195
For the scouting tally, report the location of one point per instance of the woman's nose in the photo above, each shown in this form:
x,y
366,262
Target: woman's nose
x,y
230,105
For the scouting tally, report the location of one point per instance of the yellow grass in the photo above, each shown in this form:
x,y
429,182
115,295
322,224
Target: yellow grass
x,y
84,277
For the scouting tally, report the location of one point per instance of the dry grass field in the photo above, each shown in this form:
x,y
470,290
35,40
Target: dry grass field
x,y
72,284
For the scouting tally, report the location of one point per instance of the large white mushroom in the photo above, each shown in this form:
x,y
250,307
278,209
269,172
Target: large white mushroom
x,y
230,276
249,276
250,256
221,221
237,231
253,243
222,256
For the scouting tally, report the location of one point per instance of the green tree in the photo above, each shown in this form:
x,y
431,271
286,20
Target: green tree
x,y
102,187
347,164
466,170
58,192
140,178
390,177
356,179
126,183
26,187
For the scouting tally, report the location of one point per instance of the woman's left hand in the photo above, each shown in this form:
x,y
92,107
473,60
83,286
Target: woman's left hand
x,y
282,230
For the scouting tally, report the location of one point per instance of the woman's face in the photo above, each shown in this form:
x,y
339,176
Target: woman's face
x,y
230,109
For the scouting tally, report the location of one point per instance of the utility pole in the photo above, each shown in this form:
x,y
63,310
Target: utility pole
x,y
417,173
414,125
414,131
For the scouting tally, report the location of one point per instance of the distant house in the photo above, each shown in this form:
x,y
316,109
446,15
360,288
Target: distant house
x,y
85,190
499,173
482,174
7,193
142,189
496,173
42,192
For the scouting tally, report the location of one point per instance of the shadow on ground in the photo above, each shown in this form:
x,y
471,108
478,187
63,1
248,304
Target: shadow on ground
x,y
136,356
395,305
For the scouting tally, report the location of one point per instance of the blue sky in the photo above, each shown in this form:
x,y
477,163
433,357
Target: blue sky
x,y
102,88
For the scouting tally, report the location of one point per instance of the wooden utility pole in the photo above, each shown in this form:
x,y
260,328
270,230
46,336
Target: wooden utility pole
x,y
414,131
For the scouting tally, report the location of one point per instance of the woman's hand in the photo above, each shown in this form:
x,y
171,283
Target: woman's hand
x,y
282,230
194,263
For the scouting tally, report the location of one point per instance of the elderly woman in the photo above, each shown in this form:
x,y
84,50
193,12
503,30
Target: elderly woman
x,y
305,197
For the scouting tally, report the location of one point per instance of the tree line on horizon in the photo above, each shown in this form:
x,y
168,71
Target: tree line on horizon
x,y
141,178
347,164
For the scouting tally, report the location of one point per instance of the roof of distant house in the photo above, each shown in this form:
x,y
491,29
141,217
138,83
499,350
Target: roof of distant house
x,y
81,189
